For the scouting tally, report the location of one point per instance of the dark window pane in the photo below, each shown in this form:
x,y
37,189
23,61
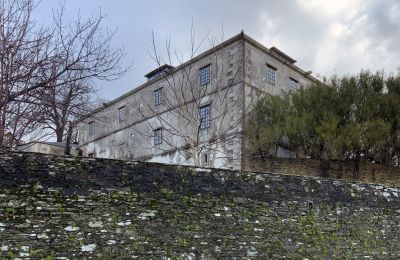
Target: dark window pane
x,y
205,117
271,75
205,75
158,136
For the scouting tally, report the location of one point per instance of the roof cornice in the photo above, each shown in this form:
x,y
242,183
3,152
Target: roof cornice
x,y
236,38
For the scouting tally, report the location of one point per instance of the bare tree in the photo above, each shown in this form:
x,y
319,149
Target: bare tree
x,y
44,66
62,106
23,54
198,114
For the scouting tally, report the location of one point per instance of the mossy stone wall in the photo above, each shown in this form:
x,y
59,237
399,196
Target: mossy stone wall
x,y
54,207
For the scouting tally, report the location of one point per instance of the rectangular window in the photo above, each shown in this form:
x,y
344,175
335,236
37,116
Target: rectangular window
x,y
205,75
205,117
204,158
121,114
158,136
271,75
158,97
230,156
91,128
293,84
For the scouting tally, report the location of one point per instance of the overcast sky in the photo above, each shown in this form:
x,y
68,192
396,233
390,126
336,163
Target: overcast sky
x,y
327,37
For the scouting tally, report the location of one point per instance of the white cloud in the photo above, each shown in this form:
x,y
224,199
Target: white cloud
x,y
358,35
395,13
338,8
326,36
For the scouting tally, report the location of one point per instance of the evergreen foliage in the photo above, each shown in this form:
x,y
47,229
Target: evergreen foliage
x,y
347,118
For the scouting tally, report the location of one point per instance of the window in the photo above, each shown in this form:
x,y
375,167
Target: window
x,y
91,155
158,97
205,117
293,84
230,156
158,136
91,128
271,77
205,75
204,158
121,114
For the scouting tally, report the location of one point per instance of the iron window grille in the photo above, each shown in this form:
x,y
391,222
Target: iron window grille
x,y
121,114
293,84
91,128
158,136
271,75
205,75
205,117
158,97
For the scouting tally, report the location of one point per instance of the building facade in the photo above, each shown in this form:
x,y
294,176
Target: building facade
x,y
194,113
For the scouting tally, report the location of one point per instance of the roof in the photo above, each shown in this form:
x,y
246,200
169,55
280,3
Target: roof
x,y
241,36
283,55
161,68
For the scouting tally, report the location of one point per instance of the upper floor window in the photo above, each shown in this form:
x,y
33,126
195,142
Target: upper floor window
x,y
293,84
205,117
271,75
158,97
158,136
205,75
121,114
91,128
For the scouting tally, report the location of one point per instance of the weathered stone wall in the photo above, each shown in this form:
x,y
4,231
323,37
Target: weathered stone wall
x,y
96,208
133,137
366,171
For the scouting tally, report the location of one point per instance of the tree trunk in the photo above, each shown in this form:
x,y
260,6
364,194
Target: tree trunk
x,y
325,166
59,134
68,140
325,163
356,166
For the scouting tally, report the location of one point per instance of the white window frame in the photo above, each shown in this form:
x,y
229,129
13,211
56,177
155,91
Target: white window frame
x,y
271,75
293,84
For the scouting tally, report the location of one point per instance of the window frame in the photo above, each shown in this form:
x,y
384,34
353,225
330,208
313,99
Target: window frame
x,y
294,84
158,101
157,136
205,112
205,158
121,114
91,129
270,75
229,155
205,75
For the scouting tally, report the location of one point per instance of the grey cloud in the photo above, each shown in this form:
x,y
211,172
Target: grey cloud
x,y
301,33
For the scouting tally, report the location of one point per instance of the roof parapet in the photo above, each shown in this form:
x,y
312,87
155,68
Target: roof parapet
x,y
283,55
159,72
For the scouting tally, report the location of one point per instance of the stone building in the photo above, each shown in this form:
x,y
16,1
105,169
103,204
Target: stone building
x,y
194,113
